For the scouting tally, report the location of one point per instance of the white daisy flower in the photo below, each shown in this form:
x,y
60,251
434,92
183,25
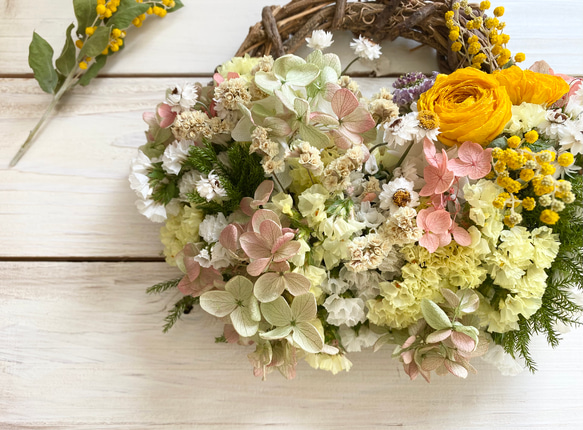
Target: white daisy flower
x,y
365,48
320,39
397,194
402,130
175,154
182,97
210,187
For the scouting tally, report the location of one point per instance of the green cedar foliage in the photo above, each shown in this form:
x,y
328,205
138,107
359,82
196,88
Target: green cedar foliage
x,y
565,274
240,178
181,307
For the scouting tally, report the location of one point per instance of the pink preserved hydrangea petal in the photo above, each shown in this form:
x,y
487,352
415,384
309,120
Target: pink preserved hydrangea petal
x,y
255,246
358,121
296,283
271,233
430,152
473,161
456,369
438,221
257,267
229,237
444,239
280,241
262,215
461,236
429,241
286,251
463,342
344,102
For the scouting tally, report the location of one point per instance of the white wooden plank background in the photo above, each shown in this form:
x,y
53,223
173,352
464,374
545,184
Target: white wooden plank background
x,y
80,343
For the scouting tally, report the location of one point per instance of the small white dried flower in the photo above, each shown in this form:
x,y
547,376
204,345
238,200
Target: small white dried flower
x,y
320,39
365,48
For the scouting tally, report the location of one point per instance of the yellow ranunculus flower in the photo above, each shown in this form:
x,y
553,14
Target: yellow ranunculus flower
x,y
531,87
471,105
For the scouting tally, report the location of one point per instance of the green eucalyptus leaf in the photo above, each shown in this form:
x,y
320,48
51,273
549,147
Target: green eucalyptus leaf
x,y
434,315
85,13
93,70
95,44
40,59
67,61
127,11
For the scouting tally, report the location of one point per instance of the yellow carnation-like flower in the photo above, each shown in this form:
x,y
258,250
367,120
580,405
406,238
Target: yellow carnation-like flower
x,y
471,105
179,230
531,87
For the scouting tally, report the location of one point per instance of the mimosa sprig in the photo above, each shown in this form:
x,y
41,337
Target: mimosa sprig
x,y
101,29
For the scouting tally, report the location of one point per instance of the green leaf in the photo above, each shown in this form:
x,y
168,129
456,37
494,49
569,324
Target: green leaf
x,y
67,60
434,315
93,71
177,5
85,13
218,303
96,43
127,11
40,59
277,313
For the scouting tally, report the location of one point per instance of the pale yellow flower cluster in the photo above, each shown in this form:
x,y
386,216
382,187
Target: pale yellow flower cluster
x,y
424,275
179,230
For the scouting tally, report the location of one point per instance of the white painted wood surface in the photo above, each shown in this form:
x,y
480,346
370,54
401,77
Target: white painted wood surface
x,y
81,345
86,352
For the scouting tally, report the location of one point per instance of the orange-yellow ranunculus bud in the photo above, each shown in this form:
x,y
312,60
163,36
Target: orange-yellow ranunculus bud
x,y
471,105
531,87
